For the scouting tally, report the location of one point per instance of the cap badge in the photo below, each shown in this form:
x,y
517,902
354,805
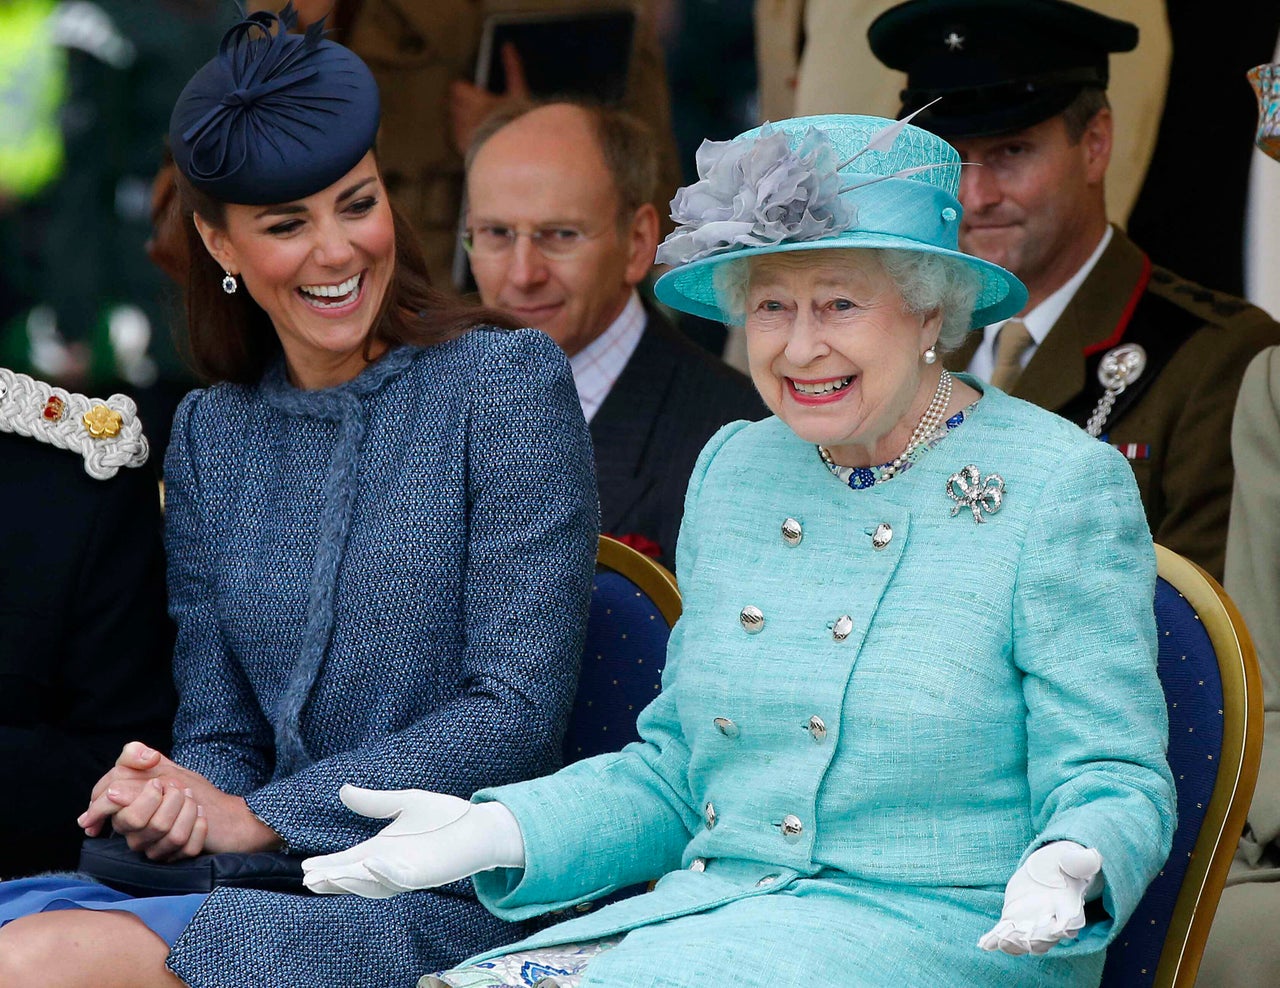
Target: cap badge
x,y
969,489
954,41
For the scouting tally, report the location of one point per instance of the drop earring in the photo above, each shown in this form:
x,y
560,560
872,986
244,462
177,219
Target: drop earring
x,y
229,284
930,356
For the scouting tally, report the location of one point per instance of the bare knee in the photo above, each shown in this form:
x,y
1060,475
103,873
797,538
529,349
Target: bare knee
x,y
25,951
78,947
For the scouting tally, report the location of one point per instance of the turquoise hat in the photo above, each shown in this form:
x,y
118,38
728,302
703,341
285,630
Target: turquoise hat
x,y
833,181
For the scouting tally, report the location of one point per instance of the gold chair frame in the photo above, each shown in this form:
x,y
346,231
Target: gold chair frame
x,y
654,579
1224,820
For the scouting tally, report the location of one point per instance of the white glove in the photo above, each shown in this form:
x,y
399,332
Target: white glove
x,y
435,839
1044,900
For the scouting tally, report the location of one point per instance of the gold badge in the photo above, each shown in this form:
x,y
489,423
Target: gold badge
x,y
102,422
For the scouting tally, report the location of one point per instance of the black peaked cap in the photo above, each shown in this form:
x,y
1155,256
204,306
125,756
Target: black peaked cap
x,y
999,66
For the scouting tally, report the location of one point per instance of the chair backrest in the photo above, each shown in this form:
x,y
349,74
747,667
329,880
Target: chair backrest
x,y
634,603
1213,691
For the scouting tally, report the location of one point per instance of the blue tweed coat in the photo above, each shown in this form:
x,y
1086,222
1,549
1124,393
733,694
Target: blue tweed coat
x,y
382,583
996,690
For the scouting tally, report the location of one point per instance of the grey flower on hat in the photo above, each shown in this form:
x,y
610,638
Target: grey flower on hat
x,y
758,192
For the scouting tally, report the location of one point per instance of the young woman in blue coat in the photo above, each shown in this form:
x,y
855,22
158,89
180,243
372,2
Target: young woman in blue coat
x,y
910,730
381,531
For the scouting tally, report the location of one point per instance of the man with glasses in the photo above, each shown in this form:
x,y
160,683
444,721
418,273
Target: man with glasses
x,y
560,231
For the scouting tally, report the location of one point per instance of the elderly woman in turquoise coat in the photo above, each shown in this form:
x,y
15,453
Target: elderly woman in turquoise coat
x,y
910,729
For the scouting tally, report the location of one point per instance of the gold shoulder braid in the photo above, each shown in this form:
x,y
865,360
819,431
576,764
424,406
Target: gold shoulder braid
x,y
106,433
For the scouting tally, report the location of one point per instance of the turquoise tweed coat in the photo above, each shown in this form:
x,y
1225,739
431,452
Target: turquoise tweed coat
x,y
384,582
996,690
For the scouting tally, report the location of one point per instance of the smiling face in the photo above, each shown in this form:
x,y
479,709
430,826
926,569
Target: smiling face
x,y
545,172
835,353
319,267
1034,204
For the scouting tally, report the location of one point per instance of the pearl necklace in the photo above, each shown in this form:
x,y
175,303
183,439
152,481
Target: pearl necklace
x,y
928,423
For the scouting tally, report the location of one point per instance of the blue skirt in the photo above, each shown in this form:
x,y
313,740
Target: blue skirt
x,y
165,915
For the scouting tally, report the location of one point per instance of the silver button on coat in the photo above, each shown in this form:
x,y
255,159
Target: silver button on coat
x,y
767,880
842,628
792,532
698,864
752,619
726,727
791,827
817,728
709,814
882,536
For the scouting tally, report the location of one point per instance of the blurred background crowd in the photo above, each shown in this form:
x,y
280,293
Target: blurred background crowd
x,y
89,85
568,202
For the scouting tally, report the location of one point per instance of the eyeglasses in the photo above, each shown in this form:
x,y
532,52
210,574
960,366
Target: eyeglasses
x,y
494,240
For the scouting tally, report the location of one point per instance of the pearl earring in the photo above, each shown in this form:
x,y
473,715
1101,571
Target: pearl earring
x,y
229,284
930,356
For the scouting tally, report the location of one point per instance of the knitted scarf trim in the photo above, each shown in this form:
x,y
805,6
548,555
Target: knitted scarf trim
x,y
343,405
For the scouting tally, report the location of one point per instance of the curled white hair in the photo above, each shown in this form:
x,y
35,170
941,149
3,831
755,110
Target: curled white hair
x,y
925,281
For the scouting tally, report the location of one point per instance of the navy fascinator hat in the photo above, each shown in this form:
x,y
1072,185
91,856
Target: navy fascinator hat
x,y
274,116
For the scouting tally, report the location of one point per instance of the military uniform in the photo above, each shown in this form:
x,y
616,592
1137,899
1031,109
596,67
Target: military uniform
x,y
1173,422
1140,357
415,50
85,643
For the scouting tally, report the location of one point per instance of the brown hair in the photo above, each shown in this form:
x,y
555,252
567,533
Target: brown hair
x,y
625,141
231,338
1086,105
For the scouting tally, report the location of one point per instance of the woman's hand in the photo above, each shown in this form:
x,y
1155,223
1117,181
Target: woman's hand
x,y
169,812
1044,900
160,819
435,839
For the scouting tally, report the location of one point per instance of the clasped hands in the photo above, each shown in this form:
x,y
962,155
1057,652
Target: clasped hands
x,y
168,812
433,839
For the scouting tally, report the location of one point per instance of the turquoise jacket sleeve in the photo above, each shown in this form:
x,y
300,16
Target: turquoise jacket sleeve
x,y
1096,730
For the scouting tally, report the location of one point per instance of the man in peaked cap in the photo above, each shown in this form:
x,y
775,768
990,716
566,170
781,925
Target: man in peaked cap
x,y
1143,359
